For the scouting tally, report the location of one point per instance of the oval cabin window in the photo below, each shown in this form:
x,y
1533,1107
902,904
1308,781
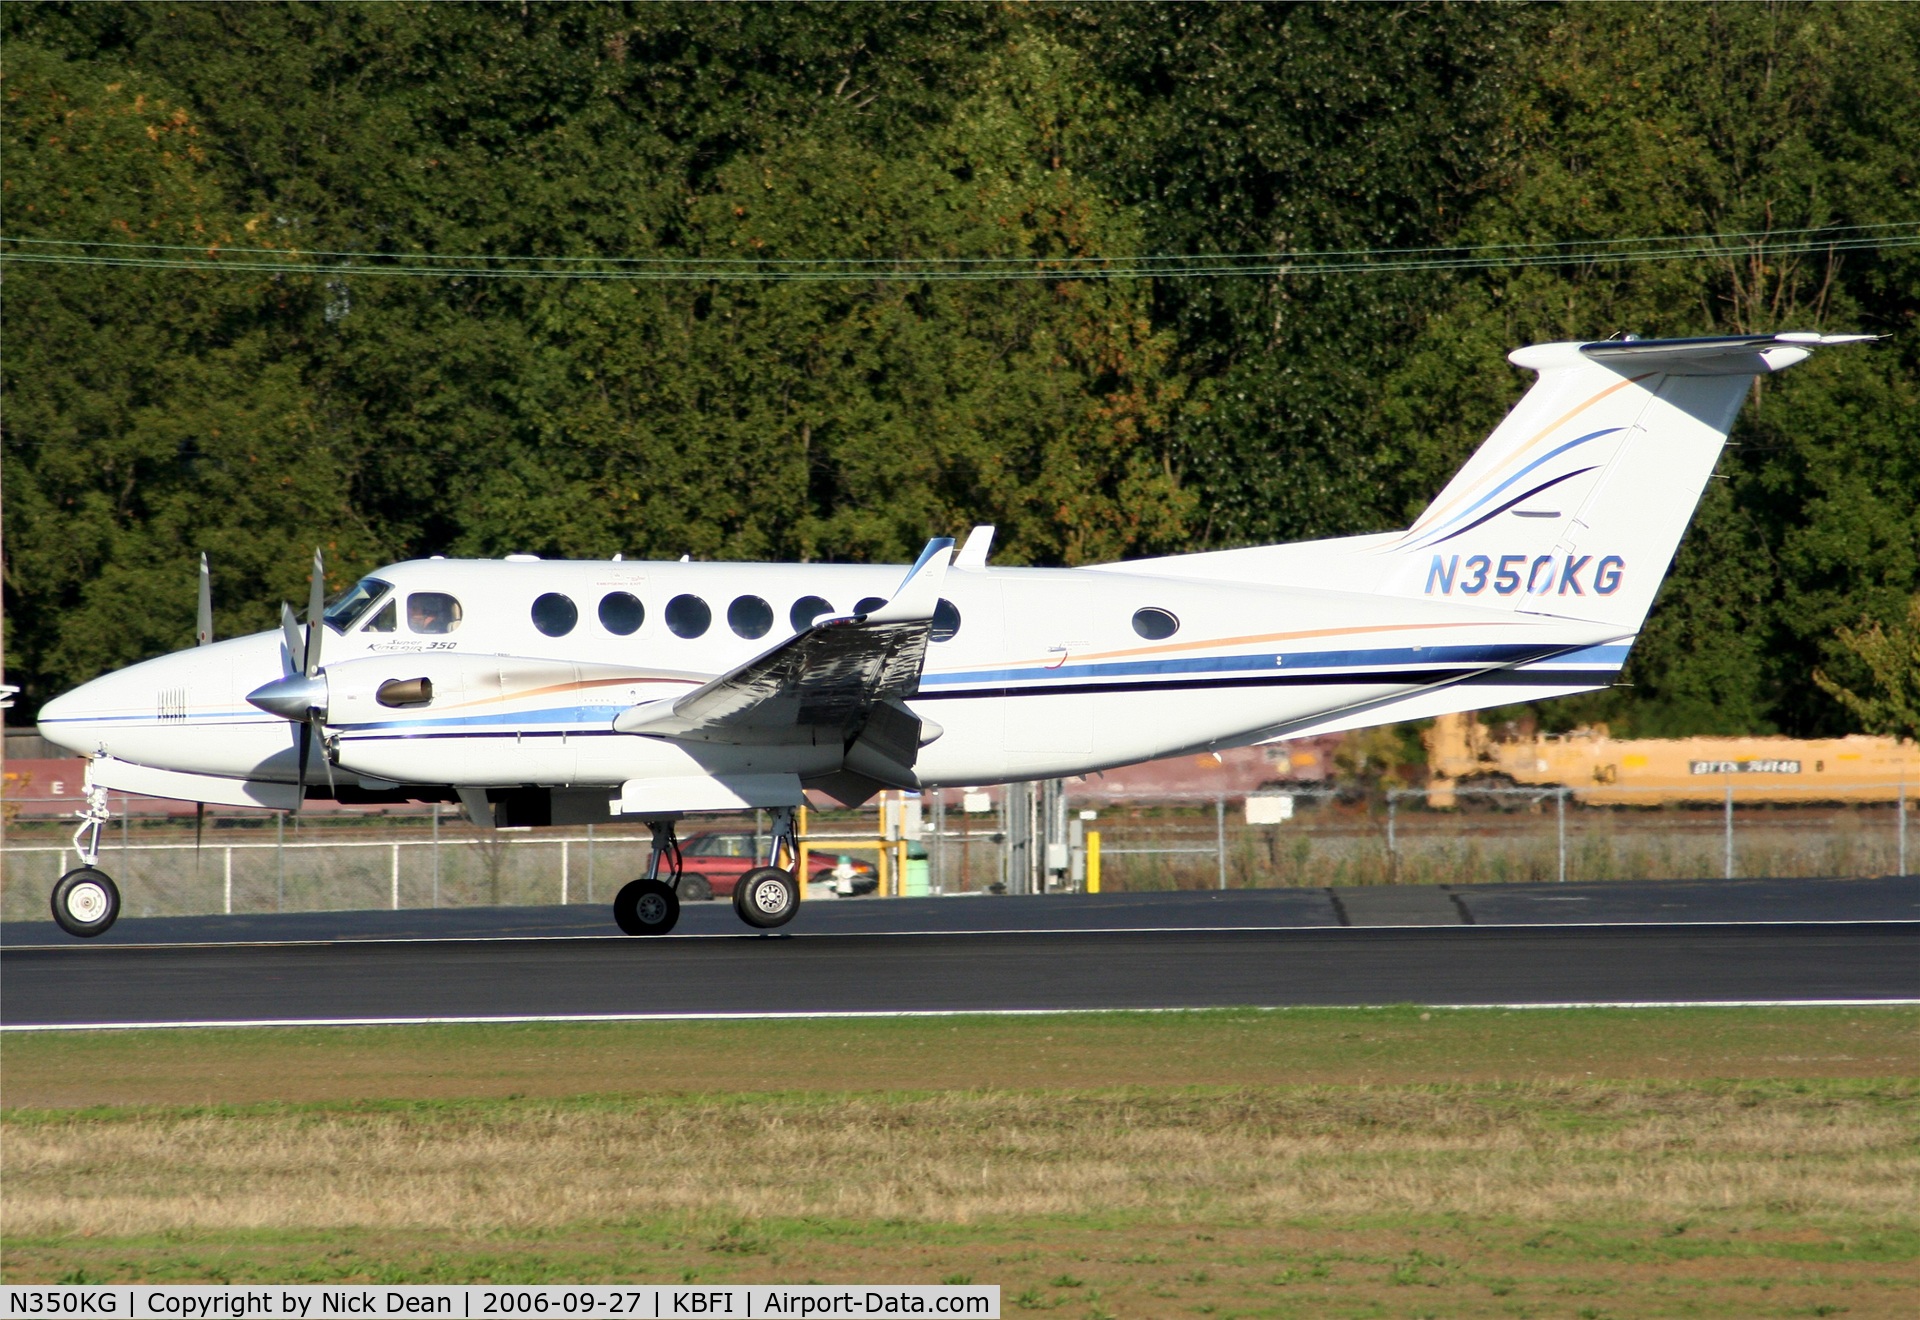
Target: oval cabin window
x,y
432,612
869,604
555,614
946,621
688,616
621,613
1155,625
805,611
749,616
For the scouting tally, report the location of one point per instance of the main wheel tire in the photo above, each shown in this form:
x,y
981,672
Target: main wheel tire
x,y
694,888
646,907
85,902
766,897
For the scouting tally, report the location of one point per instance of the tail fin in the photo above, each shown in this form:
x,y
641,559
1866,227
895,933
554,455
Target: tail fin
x,y
1575,504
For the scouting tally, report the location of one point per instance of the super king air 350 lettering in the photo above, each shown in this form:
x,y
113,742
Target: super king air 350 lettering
x,y
549,692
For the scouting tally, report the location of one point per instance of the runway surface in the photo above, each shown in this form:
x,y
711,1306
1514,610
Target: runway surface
x,y
1882,898
1798,942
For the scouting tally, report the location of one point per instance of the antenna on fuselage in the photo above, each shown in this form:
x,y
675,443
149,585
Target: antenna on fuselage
x,y
203,624
202,634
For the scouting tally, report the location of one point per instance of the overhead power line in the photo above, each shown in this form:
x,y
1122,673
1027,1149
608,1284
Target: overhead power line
x,y
218,259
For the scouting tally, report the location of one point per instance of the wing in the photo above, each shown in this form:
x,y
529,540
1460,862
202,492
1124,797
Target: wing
x,y
820,686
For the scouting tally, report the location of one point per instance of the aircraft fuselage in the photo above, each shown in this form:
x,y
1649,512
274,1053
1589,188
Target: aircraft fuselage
x,y
1046,673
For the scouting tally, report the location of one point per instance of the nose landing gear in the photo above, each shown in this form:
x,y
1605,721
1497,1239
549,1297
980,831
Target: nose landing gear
x,y
85,900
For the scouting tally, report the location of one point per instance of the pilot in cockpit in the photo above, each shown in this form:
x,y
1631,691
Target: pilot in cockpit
x,y
432,612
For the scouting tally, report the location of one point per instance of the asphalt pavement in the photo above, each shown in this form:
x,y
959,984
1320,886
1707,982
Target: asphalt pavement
x,y
1883,898
1675,942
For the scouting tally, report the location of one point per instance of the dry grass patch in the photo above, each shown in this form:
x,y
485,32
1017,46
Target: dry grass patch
x,y
1533,1153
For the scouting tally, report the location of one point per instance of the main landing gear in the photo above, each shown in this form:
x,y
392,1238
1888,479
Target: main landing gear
x,y
766,897
86,902
651,905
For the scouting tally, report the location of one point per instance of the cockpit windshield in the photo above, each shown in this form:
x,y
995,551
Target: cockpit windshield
x,y
346,607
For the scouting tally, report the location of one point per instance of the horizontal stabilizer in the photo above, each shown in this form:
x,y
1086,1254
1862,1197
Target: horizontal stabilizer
x,y
1734,355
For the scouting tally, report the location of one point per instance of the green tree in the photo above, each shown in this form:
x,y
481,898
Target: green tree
x,y
1293,128
1700,119
149,415
1891,658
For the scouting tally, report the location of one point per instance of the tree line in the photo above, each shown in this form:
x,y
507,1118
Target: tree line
x,y
364,340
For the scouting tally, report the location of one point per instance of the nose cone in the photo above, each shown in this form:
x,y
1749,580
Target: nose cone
x,y
296,697
64,719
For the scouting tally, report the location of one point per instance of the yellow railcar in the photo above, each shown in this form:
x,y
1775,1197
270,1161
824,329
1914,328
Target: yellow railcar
x,y
1607,771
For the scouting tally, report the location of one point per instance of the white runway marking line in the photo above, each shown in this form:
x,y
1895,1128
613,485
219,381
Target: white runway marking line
x,y
613,938
523,1019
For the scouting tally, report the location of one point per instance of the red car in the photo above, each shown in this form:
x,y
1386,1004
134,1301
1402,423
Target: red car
x,y
712,864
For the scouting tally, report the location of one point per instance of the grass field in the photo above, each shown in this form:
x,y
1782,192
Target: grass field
x,y
1391,1162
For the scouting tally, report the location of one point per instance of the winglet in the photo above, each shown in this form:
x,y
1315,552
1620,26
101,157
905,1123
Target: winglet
x,y
920,590
973,555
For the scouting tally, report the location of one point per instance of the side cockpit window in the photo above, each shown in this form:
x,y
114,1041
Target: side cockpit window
x,y
383,622
345,609
432,612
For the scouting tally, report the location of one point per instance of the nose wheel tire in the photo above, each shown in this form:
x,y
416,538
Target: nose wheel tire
x,y
766,897
85,902
646,907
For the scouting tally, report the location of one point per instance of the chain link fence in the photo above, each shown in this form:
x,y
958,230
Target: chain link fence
x,y
1532,835
252,862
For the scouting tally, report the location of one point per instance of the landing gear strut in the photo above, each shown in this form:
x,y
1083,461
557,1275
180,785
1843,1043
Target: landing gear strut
x,y
85,900
650,905
767,896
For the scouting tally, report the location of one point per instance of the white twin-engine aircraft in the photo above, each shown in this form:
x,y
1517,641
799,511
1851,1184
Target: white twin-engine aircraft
x,y
539,692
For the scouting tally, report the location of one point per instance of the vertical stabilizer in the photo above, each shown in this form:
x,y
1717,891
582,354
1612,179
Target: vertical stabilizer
x,y
1575,504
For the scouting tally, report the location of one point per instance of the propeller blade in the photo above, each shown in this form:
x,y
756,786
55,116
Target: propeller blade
x,y
290,633
306,747
199,824
320,731
316,604
203,624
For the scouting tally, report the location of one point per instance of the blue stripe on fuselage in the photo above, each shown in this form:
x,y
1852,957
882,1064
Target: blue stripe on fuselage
x,y
1070,674
1224,664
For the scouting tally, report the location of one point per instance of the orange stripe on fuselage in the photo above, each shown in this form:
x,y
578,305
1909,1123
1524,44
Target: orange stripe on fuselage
x,y
578,686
